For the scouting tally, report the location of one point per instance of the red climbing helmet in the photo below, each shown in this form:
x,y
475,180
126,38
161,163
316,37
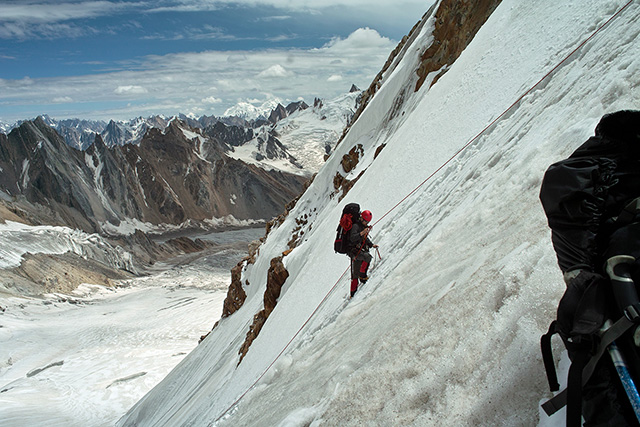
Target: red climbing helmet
x,y
366,215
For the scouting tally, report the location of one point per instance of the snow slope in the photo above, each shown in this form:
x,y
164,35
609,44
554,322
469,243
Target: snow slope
x,y
446,331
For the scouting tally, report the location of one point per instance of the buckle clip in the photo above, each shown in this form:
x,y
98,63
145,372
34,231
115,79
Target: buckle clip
x,y
632,313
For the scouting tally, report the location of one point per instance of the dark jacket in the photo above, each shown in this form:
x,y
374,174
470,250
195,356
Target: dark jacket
x,y
356,240
583,195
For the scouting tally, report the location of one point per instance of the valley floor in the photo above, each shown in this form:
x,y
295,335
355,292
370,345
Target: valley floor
x,y
84,359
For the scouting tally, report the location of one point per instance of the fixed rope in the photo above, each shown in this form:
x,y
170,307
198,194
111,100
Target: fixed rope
x,y
427,179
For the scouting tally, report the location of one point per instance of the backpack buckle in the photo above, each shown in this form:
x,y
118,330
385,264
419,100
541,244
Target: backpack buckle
x,y
632,313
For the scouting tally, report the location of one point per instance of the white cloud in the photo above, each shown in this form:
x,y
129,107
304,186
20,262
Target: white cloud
x,y
275,71
211,100
361,39
23,31
274,18
335,78
62,100
56,12
130,90
180,82
296,5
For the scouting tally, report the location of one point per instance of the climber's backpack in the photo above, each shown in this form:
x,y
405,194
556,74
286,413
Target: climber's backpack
x,y
350,214
593,209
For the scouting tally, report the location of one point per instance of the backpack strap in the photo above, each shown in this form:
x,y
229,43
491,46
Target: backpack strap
x,y
547,356
629,213
566,396
575,381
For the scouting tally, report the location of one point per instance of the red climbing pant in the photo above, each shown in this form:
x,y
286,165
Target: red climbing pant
x,y
359,267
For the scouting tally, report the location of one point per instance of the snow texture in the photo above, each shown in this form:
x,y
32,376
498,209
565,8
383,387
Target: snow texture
x,y
446,331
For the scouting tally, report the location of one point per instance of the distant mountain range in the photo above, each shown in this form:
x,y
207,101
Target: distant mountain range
x,y
308,133
96,176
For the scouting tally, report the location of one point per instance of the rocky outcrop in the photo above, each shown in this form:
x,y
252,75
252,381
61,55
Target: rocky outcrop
x,y
235,294
276,277
296,106
456,24
232,135
186,245
350,160
277,114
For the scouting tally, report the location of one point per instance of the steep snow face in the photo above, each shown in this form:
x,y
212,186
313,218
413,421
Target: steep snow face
x,y
446,331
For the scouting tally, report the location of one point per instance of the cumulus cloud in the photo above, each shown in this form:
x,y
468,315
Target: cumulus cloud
x,y
275,71
130,90
211,100
361,39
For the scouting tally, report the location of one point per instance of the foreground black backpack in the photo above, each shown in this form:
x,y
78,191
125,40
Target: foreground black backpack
x,y
592,203
350,214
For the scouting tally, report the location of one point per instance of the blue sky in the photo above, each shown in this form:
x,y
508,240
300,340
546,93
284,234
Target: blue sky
x,y
121,59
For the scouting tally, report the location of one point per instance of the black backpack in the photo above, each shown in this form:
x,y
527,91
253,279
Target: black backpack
x,y
350,214
592,203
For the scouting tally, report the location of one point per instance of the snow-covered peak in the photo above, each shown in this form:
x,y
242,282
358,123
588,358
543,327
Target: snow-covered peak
x,y
251,111
310,135
6,127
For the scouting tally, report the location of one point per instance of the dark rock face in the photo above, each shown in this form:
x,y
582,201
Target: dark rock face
x,y
230,134
277,114
170,177
296,106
